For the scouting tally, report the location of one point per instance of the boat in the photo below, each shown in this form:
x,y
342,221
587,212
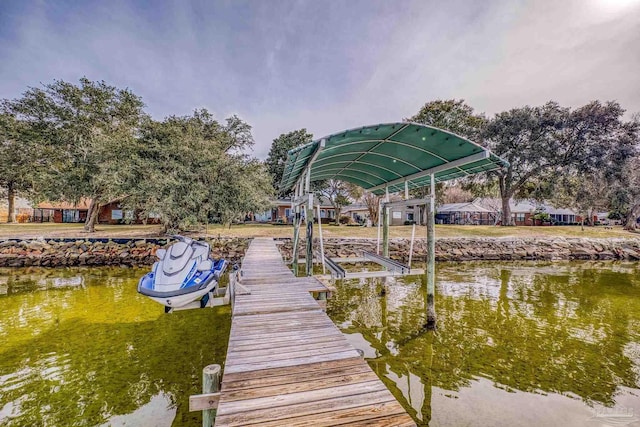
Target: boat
x,y
184,273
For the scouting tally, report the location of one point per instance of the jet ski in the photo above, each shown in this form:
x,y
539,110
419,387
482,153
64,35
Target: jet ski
x,y
183,273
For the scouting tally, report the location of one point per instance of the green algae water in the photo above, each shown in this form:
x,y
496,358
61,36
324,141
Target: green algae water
x,y
80,347
537,344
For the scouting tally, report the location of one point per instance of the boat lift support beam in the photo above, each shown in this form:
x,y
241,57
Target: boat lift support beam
x,y
303,199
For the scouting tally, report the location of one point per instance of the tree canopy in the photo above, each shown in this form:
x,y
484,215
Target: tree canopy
x,y
94,141
189,169
278,153
88,129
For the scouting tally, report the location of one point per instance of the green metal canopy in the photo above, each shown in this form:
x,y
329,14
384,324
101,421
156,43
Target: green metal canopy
x,y
388,155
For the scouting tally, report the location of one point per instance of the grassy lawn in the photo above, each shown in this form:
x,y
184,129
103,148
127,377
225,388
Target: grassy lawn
x,y
259,230
76,230
441,231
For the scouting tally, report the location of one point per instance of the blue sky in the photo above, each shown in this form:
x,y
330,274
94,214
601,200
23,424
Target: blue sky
x,y
327,65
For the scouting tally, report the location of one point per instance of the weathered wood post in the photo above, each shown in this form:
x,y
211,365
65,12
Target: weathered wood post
x,y
296,229
385,224
430,270
320,238
385,231
211,376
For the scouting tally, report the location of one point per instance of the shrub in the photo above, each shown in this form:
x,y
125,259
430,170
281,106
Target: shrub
x,y
345,220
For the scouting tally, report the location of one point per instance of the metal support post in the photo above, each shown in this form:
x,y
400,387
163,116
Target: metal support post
x,y
309,221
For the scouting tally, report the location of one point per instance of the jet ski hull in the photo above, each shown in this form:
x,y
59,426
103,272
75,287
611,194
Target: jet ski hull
x,y
202,285
184,273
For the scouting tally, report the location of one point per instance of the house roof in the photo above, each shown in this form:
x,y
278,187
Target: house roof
x,y
324,202
83,204
463,207
388,155
523,206
355,207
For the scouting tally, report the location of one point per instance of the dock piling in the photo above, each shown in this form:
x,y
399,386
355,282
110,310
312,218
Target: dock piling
x,y
211,377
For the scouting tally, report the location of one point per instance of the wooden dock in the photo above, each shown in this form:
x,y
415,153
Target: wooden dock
x,y
288,364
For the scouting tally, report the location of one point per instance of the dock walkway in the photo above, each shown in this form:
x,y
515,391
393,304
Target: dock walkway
x,y
288,364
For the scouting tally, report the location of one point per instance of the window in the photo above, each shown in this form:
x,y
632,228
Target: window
x,y
70,215
323,213
287,213
409,216
116,214
520,217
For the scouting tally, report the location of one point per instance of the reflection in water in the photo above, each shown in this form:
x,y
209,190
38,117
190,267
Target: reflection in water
x,y
82,347
517,344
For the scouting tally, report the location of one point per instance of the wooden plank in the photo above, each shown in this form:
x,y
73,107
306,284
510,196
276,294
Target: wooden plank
x,y
201,402
299,386
291,378
271,402
367,413
283,412
257,336
289,362
288,353
234,346
398,420
309,367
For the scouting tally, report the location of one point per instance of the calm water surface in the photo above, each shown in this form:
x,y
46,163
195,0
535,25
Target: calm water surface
x,y
545,344
80,347
538,344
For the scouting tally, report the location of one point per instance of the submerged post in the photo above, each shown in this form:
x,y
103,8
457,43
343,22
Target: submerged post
x,y
309,220
430,269
210,384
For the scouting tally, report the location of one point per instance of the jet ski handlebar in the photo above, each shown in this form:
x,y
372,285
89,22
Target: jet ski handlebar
x,y
187,240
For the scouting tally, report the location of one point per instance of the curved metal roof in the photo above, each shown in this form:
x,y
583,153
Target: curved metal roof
x,y
382,155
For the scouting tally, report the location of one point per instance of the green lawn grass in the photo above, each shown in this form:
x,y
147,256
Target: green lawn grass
x,y
265,230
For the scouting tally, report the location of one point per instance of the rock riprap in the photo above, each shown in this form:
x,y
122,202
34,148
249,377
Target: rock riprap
x,y
80,252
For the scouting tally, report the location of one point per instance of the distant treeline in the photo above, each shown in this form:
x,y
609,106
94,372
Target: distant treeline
x,y
66,142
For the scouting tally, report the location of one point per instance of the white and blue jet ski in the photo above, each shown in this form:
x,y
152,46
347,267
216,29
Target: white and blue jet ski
x,y
183,273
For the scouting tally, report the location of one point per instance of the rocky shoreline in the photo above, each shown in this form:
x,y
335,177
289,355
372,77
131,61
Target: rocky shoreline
x,y
489,249
100,252
138,252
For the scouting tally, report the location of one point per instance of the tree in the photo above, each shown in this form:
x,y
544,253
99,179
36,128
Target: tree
x,y
451,115
278,153
373,206
245,186
548,140
456,194
187,169
454,116
89,129
18,160
339,194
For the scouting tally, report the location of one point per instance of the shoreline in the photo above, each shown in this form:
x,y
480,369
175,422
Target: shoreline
x,y
66,252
